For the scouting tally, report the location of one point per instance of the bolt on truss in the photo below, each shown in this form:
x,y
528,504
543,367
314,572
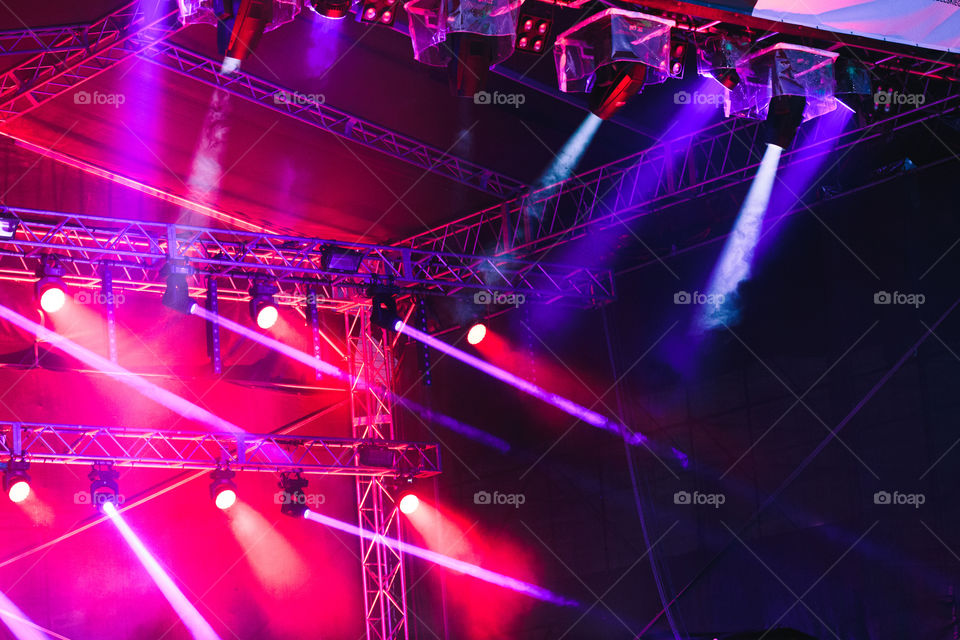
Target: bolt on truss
x,y
163,449
135,251
370,361
310,111
673,172
61,65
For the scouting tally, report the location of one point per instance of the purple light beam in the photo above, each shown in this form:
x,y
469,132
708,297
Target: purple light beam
x,y
333,371
19,624
445,561
198,627
737,257
568,406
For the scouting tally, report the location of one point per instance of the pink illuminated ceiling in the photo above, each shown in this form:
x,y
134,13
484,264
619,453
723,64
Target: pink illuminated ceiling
x,y
271,169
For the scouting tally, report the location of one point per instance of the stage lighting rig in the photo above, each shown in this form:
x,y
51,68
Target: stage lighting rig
x,y
103,485
611,55
8,225
293,500
50,290
477,333
16,481
239,23
533,31
784,117
263,306
374,455
378,11
465,36
223,490
340,259
717,58
784,84
383,311
333,9
177,294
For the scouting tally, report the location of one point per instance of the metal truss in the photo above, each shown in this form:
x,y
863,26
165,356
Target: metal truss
x,y
135,250
162,449
313,111
370,361
676,171
62,65
43,40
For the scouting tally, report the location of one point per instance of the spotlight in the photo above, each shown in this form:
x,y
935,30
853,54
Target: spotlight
x,y
333,9
678,55
477,333
471,57
616,83
246,26
373,455
223,491
378,11
293,500
103,485
408,503
718,58
340,259
383,311
532,32
50,290
596,56
263,308
783,119
16,482
177,294
8,226
785,84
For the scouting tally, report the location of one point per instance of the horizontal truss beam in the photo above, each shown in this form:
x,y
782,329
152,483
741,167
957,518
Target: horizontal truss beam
x,y
135,251
674,172
161,449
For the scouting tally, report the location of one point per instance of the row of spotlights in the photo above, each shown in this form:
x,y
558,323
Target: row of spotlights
x,y
51,293
104,488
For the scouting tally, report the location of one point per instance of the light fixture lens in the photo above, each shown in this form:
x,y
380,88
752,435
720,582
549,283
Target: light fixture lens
x,y
477,333
19,491
267,316
409,503
53,298
226,499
